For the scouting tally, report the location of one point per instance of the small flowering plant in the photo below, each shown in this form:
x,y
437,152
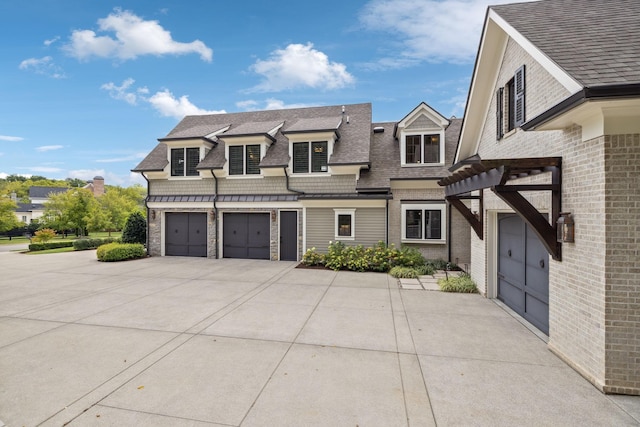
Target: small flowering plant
x,y
312,258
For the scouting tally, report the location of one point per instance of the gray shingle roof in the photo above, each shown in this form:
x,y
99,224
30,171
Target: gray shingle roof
x,y
352,148
252,128
29,207
43,192
155,161
597,42
385,159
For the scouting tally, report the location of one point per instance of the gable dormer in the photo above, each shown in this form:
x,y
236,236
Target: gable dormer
x,y
421,135
311,143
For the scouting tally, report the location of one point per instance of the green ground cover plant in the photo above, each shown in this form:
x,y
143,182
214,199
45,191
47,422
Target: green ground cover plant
x,y
461,284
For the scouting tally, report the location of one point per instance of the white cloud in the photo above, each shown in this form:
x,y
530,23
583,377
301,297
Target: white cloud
x,y
268,104
3,175
87,174
51,41
121,92
133,37
300,65
429,30
130,158
170,106
44,148
43,169
11,138
44,66
162,101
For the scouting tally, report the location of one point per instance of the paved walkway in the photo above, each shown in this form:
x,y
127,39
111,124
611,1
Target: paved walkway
x,y
197,342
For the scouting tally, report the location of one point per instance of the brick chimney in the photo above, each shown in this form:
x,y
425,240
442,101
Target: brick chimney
x,y
98,186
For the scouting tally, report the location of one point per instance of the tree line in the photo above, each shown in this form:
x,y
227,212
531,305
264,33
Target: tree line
x,y
76,209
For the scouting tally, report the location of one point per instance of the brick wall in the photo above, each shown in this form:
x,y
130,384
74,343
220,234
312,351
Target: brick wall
x,y
460,229
622,264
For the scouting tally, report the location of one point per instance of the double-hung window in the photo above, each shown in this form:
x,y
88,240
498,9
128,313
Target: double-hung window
x,y
422,149
310,157
244,159
424,222
184,161
345,220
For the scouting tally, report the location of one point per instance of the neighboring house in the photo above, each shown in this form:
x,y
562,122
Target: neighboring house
x,y
552,126
38,195
272,184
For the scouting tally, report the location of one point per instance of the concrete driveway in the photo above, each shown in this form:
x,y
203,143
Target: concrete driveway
x,y
197,342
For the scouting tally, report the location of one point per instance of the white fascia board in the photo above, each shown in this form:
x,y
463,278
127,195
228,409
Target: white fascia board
x,y
547,63
344,203
493,44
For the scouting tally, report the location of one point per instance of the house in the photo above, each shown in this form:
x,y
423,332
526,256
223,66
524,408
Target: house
x,y
272,184
551,128
38,195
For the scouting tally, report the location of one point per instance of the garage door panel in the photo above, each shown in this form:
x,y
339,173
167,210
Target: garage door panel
x,y
246,235
523,271
186,234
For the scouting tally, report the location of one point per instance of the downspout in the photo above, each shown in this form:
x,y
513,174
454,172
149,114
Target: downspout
x,y
215,213
386,241
146,205
287,179
449,237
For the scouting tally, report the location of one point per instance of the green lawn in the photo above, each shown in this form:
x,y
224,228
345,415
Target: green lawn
x,y
96,234
50,251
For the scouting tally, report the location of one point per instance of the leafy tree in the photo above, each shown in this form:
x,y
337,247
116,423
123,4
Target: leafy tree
x,y
135,230
8,219
72,209
75,182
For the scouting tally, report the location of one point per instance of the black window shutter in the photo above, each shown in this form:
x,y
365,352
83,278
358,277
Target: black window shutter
x,y
253,159
519,80
500,113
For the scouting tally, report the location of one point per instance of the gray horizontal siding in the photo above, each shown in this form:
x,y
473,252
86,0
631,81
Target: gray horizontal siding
x,y
181,187
370,227
324,184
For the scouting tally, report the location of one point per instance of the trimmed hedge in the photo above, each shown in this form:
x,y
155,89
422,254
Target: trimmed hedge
x,y
120,251
49,245
84,244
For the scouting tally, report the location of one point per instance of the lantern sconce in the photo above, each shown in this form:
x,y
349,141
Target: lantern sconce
x,y
565,228
153,214
274,215
212,214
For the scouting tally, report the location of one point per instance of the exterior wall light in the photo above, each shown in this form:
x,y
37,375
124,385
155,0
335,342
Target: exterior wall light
x,y
565,228
153,214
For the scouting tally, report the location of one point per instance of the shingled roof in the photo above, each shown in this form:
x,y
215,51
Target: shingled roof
x,y
596,42
353,127
40,192
385,159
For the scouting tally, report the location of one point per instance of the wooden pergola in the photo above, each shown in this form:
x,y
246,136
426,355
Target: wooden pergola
x,y
475,174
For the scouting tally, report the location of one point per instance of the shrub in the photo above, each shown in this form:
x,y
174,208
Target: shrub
x,y
49,245
401,272
84,244
409,257
135,230
120,251
462,283
311,257
335,258
425,270
44,235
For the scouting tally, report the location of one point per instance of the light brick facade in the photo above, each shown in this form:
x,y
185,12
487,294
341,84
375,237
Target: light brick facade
x,y
594,292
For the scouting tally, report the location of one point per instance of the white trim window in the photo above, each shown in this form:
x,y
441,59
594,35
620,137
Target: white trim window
x,y
244,159
345,224
423,149
310,157
184,161
424,222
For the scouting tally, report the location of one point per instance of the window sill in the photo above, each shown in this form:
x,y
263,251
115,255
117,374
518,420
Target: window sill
x,y
419,165
310,174
345,238
425,241
256,176
190,177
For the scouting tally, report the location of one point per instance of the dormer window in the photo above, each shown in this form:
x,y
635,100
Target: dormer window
x,y
310,157
184,161
244,159
421,137
422,149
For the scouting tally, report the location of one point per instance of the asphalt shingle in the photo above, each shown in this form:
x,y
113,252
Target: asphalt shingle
x,y
596,42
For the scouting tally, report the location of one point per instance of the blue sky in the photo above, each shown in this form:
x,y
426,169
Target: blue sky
x,y
87,87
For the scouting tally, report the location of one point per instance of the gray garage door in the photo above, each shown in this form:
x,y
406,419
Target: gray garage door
x,y
523,271
246,235
186,234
